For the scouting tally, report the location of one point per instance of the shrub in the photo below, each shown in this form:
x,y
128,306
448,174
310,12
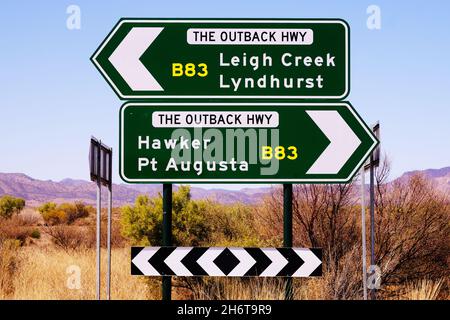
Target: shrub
x,y
26,219
46,207
10,205
412,239
232,225
35,234
194,222
54,217
68,237
64,213
142,223
9,230
77,211
117,238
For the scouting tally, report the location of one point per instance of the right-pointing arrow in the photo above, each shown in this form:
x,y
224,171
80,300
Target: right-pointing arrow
x,y
206,261
278,262
311,262
343,142
246,261
126,59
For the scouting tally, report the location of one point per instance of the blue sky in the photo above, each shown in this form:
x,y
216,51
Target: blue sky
x,y
53,98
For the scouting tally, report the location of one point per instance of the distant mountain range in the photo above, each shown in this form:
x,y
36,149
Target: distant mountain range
x,y
36,192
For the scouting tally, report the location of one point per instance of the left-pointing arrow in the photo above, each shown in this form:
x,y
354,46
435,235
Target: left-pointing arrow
x,y
141,261
206,261
126,59
174,261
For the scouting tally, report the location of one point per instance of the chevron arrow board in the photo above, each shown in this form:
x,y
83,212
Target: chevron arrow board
x,y
226,262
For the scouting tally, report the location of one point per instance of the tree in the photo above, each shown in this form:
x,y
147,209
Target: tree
x,y
412,233
412,230
324,216
10,205
142,223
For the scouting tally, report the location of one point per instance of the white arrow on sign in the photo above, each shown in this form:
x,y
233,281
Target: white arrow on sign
x,y
246,261
278,262
141,261
173,261
206,261
311,262
343,142
126,59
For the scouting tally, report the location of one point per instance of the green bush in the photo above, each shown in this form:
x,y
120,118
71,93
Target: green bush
x,y
54,217
75,211
63,213
194,222
232,225
35,234
46,207
142,223
10,205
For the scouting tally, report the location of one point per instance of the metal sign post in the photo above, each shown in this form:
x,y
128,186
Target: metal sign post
x,y
100,166
363,233
99,224
372,218
167,236
374,161
287,232
108,271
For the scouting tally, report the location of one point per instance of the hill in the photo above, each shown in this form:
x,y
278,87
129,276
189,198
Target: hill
x,y
37,191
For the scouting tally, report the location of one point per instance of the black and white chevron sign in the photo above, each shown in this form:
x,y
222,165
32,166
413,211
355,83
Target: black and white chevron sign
x,y
226,262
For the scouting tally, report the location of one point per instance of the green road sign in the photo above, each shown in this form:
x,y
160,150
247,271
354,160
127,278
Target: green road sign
x,y
226,58
276,142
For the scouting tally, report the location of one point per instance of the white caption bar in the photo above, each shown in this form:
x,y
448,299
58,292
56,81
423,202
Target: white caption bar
x,y
215,119
250,36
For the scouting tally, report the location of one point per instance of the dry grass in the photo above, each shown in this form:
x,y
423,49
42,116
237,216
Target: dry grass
x,y
240,289
424,289
8,266
45,273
